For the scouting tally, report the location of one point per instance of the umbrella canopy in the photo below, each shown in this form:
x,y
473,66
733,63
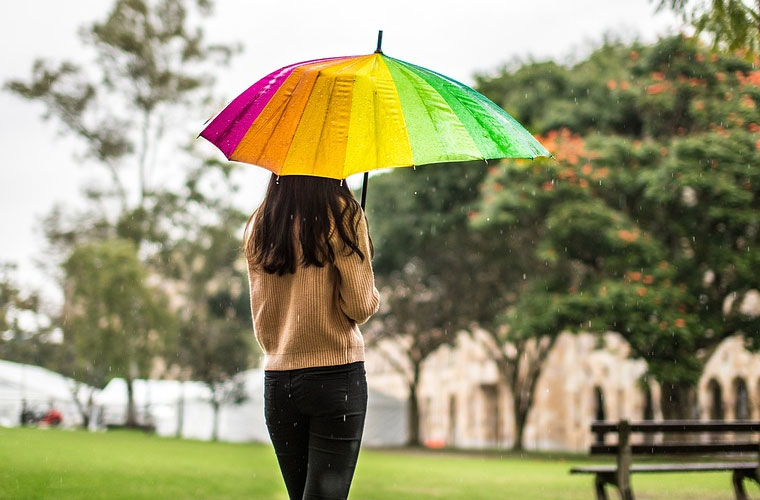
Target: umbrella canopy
x,y
339,116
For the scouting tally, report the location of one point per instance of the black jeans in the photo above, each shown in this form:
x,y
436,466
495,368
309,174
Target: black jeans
x,y
315,417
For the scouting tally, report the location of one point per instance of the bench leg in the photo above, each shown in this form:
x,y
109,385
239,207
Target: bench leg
x,y
599,482
738,480
603,479
626,494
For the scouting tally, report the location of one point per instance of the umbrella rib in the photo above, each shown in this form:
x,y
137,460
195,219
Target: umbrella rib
x,y
295,129
358,61
324,119
432,122
478,120
248,105
279,119
512,123
466,108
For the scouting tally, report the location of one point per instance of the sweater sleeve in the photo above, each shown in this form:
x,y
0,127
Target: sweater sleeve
x,y
358,297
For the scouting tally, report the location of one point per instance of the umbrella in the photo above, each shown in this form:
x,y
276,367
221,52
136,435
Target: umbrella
x,y
339,116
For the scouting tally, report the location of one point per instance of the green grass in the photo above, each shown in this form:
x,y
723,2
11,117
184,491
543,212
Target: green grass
x,y
61,465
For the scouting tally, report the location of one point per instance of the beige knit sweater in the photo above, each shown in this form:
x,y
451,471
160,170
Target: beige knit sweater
x,y
310,318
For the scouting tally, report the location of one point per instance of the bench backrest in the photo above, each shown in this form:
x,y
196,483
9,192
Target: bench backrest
x,y
624,429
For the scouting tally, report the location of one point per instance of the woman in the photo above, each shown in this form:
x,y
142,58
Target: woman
x,y
308,250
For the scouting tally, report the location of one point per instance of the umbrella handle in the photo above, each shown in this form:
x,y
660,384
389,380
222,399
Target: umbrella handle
x,y
364,189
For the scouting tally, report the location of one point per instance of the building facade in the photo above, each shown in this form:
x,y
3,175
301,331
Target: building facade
x,y
464,403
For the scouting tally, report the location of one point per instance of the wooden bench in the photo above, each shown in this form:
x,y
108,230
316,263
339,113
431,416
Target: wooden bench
x,y
619,475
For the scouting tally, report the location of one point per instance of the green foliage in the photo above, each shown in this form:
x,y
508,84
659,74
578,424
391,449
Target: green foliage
x,y
733,24
425,248
116,323
674,87
647,235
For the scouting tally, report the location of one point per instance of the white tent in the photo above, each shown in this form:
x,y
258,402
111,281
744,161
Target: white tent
x,y
386,423
158,402
40,389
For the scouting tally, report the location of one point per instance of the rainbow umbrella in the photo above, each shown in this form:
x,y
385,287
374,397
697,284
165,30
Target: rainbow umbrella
x,y
339,116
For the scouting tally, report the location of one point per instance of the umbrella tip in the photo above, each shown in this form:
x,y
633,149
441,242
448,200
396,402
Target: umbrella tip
x,y
379,42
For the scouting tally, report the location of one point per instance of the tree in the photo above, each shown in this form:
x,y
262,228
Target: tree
x,y
151,72
648,235
733,24
426,256
214,340
115,324
150,67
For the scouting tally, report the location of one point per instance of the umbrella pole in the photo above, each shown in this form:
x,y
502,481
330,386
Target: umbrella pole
x,y
366,174
364,189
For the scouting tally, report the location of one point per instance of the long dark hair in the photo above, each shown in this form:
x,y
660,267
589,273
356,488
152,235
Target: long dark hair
x,y
317,205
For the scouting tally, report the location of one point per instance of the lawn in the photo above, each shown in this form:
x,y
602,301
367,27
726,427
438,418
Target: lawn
x,y
61,465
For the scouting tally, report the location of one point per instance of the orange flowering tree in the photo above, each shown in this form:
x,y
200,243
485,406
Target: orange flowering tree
x,y
646,223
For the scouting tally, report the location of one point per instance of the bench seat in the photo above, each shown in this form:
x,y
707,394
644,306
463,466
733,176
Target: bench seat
x,y
654,468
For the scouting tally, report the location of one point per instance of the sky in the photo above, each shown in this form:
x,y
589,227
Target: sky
x,y
40,167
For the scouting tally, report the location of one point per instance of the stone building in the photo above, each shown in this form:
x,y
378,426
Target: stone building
x,y
464,404
730,386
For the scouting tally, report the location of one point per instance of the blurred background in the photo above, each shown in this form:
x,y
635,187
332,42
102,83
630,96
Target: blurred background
x,y
520,300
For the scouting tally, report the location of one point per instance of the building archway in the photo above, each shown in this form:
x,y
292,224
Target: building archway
x,y
600,413
741,399
715,401
648,412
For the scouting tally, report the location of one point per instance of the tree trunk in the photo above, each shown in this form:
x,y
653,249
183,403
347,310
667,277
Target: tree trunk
x,y
181,409
678,401
524,387
521,417
131,413
215,427
84,412
413,438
